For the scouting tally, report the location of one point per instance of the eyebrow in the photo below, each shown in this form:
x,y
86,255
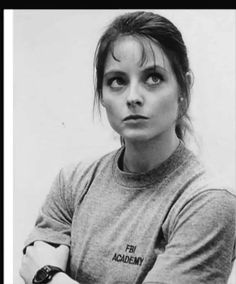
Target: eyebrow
x,y
145,70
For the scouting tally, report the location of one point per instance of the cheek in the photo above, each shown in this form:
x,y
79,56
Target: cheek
x,y
167,109
113,116
111,104
112,111
109,107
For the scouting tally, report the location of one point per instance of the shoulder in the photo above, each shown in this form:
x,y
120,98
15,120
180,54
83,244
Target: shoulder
x,y
208,215
74,179
77,176
196,177
205,210
206,190
203,197
212,202
86,168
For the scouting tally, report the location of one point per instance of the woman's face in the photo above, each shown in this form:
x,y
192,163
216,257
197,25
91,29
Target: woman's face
x,y
140,98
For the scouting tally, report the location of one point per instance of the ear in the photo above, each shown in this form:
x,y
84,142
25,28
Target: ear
x,y
189,78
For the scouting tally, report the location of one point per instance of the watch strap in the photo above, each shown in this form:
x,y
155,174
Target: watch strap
x,y
45,274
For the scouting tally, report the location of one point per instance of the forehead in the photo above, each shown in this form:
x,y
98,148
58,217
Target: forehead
x,y
136,51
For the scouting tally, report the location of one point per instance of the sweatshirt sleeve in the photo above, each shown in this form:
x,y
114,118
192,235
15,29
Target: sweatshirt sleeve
x,y
53,224
201,242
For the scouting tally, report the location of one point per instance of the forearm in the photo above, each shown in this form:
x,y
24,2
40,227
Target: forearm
x,y
62,278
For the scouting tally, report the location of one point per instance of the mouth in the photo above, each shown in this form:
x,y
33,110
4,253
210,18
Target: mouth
x,y
135,117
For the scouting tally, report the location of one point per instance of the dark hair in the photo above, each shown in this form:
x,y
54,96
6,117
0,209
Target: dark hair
x,y
158,29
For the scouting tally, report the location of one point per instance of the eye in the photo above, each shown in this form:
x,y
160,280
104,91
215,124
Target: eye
x,y
116,82
154,79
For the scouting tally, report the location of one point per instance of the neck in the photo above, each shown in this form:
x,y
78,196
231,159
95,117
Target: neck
x,y
143,156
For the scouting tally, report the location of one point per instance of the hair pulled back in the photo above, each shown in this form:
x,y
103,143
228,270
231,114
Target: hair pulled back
x,y
158,29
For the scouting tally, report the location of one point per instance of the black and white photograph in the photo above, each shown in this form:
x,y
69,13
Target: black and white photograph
x,y
124,146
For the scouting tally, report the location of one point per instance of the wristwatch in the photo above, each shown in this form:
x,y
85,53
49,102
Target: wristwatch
x,y
45,274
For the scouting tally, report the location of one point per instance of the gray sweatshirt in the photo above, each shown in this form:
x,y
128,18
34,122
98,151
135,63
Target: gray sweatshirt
x,y
172,224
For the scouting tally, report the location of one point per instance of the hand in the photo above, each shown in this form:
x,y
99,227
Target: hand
x,y
41,254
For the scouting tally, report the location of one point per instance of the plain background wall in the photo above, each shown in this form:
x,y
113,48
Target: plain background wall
x,y
53,97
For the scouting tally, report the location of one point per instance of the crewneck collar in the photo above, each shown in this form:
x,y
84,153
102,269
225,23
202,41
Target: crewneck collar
x,y
139,180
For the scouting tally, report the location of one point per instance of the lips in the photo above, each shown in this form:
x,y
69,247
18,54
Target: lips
x,y
135,117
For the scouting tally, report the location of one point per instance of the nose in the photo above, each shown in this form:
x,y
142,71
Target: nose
x,y
134,97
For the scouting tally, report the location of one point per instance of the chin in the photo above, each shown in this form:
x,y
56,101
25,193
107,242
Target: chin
x,y
136,136
144,135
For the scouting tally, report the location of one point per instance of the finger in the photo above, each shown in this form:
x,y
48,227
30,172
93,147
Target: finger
x,y
40,244
22,267
63,249
23,258
21,272
28,250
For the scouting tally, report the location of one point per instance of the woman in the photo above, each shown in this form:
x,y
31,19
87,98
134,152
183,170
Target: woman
x,y
147,212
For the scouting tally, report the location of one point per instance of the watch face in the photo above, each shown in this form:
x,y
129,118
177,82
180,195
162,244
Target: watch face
x,y
45,274
41,275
